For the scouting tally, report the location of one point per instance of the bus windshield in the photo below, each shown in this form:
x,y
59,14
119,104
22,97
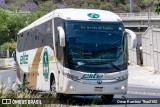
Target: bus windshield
x,y
95,46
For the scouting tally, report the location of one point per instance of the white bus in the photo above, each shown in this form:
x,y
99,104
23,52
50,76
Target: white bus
x,y
75,52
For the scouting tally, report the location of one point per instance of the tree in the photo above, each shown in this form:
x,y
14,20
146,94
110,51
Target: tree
x,y
12,22
3,26
116,2
158,8
122,1
9,45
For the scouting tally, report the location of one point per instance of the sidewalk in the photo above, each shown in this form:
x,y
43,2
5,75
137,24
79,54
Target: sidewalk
x,y
141,76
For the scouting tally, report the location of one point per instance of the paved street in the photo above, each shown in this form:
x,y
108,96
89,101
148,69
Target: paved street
x,y
143,83
7,77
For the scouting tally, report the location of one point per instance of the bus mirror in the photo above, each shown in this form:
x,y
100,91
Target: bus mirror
x,y
61,36
133,38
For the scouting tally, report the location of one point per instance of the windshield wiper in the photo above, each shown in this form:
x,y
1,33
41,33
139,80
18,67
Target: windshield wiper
x,y
113,65
79,64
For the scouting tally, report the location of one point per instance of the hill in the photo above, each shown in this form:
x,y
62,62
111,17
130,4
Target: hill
x,y
49,5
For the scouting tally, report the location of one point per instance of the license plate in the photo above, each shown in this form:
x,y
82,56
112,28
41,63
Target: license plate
x,y
99,89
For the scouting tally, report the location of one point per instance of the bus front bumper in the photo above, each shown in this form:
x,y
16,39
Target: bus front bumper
x,y
78,88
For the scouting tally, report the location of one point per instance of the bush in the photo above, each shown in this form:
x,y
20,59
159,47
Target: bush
x,y
136,8
47,6
145,3
11,94
105,6
126,8
10,45
148,2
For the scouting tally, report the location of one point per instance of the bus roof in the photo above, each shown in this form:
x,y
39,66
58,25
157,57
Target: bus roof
x,y
76,14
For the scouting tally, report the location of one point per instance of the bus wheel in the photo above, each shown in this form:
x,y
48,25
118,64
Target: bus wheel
x,y
24,78
107,98
25,84
53,86
56,95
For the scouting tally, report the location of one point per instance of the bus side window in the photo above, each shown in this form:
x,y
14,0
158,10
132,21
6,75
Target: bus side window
x,y
19,45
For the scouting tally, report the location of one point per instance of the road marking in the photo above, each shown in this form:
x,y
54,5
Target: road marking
x,y
9,79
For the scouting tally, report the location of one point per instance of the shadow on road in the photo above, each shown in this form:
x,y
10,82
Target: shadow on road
x,y
82,101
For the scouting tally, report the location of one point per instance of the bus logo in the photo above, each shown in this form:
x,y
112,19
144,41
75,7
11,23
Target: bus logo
x,y
45,64
93,15
92,76
99,81
24,59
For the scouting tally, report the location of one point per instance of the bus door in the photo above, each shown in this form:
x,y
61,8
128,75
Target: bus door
x,y
59,52
60,64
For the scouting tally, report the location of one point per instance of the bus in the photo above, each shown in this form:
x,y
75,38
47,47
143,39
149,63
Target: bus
x,y
75,52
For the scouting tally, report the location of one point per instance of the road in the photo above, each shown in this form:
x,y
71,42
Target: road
x,y
7,77
134,91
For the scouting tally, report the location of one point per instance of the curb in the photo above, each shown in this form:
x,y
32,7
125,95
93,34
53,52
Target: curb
x,y
6,67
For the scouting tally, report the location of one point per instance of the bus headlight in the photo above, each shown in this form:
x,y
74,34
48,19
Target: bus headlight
x,y
123,87
72,87
121,78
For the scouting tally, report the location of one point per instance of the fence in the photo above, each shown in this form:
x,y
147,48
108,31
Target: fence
x,y
151,48
142,15
6,62
156,49
147,47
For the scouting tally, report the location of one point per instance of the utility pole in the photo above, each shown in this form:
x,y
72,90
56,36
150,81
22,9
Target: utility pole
x,y
131,8
149,18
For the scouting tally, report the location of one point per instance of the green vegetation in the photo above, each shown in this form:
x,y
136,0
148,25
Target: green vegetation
x,y
9,45
157,8
11,23
24,92
21,92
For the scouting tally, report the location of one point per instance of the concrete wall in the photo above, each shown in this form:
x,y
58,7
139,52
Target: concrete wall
x,y
156,49
6,62
147,47
151,48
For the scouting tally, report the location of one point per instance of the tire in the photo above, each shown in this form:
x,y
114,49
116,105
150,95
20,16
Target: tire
x,y
53,86
107,98
25,84
53,89
24,78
